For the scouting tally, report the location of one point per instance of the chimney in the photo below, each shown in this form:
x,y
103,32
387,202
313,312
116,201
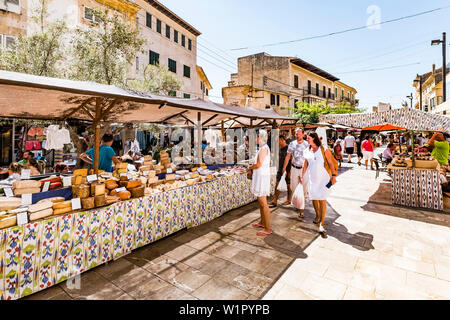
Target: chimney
x,y
434,68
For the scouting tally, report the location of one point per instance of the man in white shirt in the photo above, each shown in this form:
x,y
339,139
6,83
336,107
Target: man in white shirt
x,y
295,152
349,145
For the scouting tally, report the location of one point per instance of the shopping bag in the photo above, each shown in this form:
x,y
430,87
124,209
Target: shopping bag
x,y
282,186
298,198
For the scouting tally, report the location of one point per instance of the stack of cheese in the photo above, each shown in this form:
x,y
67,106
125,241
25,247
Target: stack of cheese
x,y
148,162
79,177
7,216
26,187
62,207
164,159
120,168
40,210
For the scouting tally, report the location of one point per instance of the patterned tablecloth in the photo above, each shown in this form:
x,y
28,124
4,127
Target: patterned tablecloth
x,y
417,188
41,254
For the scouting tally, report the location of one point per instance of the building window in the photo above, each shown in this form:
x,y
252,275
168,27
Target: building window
x,y
167,31
154,58
158,25
342,94
202,86
148,20
295,102
183,40
296,82
329,93
172,65
7,41
189,44
90,16
187,96
172,93
274,99
137,63
317,89
444,112
335,93
187,71
309,86
324,92
175,36
206,91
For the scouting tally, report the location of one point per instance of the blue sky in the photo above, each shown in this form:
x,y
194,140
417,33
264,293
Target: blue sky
x,y
234,24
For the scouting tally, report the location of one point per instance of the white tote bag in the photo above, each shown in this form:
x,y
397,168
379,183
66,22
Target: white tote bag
x,y
282,186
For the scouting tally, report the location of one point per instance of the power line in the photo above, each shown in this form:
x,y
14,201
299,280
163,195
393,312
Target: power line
x,y
221,50
215,64
345,31
378,69
224,58
224,63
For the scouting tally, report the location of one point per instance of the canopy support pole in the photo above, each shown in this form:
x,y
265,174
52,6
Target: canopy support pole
x,y
222,129
199,138
96,125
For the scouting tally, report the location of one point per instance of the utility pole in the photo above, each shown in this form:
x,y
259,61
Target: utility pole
x,y
444,62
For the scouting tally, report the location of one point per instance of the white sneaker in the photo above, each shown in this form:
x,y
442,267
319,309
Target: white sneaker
x,y
322,229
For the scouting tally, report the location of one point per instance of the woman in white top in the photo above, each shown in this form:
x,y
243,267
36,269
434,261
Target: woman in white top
x,y
261,183
318,176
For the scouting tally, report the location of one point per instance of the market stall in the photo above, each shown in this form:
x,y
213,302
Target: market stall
x,y
47,238
416,180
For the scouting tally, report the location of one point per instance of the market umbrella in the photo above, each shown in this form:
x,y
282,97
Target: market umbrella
x,y
383,127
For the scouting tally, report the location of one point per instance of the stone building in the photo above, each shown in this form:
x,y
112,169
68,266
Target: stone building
x,y
13,20
264,81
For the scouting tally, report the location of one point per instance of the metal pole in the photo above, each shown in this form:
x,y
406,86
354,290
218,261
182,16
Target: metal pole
x,y
444,67
421,93
13,138
199,138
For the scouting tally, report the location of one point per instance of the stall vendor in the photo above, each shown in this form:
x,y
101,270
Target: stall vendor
x,y
389,153
106,154
440,148
26,156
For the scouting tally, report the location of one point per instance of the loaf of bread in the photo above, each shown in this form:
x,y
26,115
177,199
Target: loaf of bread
x,y
111,184
62,211
9,203
25,184
133,184
62,205
137,192
124,195
40,206
40,214
21,191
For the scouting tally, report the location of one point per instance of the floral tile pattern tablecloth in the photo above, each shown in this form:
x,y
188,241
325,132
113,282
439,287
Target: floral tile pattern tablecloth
x,y
41,254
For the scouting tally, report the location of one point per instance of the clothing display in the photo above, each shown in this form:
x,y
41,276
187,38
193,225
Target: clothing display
x,y
261,176
56,137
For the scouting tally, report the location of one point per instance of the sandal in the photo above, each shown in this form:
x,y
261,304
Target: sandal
x,y
316,221
263,233
301,216
257,225
273,205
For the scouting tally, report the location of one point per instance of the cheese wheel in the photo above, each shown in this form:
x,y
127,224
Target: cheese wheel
x,y
99,189
40,206
40,214
80,172
62,211
23,184
124,195
133,184
62,205
88,203
100,200
137,192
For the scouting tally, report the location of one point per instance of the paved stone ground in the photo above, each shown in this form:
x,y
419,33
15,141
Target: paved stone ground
x,y
373,251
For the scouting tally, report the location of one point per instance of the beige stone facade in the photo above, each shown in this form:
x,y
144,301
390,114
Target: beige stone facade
x,y
432,91
13,20
264,81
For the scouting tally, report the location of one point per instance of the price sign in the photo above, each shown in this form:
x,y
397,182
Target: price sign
x,y
169,170
22,218
67,181
26,199
124,174
92,178
46,186
25,174
8,192
145,173
121,189
76,204
188,176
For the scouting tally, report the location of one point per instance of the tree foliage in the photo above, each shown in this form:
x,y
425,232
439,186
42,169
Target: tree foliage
x,y
309,113
41,53
103,52
157,80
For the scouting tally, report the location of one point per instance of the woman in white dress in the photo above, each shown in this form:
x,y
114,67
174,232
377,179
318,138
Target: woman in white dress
x,y
261,183
321,176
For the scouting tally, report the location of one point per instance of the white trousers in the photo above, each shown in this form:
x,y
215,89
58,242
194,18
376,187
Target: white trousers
x,y
295,174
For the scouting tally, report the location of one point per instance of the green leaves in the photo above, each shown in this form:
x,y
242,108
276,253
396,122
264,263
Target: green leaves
x,y
309,113
157,80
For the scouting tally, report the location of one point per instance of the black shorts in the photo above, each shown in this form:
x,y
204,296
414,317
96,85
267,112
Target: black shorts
x,y
279,175
349,150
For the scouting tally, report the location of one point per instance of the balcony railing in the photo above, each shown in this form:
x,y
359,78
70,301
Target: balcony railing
x,y
318,93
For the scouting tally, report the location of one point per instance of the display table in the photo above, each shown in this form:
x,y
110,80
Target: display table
x,y
413,187
41,254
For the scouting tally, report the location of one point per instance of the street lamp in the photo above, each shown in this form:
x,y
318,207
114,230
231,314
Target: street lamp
x,y
410,97
444,67
420,89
